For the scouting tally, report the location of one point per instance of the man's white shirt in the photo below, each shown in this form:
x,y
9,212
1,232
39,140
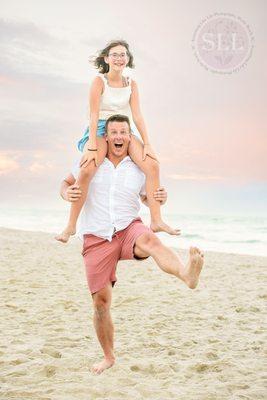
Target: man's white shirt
x,y
113,198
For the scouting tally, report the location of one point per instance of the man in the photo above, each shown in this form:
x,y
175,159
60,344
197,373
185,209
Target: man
x,y
111,230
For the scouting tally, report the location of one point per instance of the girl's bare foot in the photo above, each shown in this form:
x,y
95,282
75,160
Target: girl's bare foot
x,y
193,267
160,226
65,235
100,367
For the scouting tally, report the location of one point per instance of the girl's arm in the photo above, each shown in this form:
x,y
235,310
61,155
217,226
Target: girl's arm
x,y
139,120
137,114
94,102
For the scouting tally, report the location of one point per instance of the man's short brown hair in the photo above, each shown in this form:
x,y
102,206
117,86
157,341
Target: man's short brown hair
x,y
117,118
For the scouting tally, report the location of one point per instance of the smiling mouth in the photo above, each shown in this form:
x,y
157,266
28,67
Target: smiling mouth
x,y
118,145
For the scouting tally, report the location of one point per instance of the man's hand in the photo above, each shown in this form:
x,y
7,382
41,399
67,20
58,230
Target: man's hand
x,y
161,195
72,193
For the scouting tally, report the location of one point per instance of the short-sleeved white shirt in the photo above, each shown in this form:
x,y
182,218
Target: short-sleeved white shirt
x,y
113,199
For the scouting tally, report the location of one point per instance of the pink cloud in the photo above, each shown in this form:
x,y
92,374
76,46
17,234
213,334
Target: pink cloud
x,y
230,148
38,168
7,164
195,177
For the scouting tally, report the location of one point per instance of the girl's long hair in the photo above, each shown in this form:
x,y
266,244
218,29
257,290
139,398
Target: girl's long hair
x,y
99,61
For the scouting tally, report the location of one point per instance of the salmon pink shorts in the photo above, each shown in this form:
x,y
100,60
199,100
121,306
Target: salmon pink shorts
x,y
101,256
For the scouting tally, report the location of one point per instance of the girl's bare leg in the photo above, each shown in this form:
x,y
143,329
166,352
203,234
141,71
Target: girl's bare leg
x,y
150,168
83,181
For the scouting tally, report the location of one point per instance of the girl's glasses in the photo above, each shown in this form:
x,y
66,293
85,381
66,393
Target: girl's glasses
x,y
116,56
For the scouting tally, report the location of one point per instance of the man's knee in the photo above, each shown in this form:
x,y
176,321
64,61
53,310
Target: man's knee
x,y
101,310
148,242
101,301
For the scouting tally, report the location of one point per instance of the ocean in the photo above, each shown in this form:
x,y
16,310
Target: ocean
x,y
223,233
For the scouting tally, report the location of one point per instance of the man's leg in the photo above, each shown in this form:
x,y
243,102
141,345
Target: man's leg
x,y
104,327
148,244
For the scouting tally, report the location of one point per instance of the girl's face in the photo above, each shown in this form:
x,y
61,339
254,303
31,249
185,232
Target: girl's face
x,y
117,58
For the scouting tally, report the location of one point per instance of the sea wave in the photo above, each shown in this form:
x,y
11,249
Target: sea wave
x,y
243,235
193,236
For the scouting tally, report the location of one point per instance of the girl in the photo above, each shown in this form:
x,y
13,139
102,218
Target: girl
x,y
113,93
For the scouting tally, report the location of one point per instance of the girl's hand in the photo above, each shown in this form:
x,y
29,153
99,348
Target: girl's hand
x,y
73,193
87,157
148,151
160,195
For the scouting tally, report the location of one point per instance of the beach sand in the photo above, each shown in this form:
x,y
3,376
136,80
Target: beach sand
x,y
170,342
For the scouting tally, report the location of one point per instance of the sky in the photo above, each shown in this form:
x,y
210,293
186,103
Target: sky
x,y
209,130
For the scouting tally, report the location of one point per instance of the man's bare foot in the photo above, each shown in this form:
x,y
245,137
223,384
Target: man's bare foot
x,y
160,226
193,267
65,235
100,367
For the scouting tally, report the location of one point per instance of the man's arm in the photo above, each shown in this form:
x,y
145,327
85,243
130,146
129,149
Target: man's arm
x,y
160,195
68,190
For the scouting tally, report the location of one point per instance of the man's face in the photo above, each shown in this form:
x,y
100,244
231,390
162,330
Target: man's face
x,y
118,138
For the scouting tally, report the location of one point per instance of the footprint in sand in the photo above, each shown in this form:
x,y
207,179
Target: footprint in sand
x,y
213,340
51,352
221,318
202,368
19,361
17,373
49,370
59,329
254,309
135,368
240,309
149,369
12,306
212,356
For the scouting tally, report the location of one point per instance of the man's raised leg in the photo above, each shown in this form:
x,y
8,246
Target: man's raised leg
x,y
104,327
148,244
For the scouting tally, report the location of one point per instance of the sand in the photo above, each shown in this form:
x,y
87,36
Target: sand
x,y
170,342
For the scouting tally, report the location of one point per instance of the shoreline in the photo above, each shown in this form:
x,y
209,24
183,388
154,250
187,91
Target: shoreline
x,y
75,238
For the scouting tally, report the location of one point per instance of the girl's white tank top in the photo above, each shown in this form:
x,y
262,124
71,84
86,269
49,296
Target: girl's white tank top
x,y
115,100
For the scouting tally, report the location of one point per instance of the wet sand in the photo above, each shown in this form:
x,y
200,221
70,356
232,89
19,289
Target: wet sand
x,y
170,342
